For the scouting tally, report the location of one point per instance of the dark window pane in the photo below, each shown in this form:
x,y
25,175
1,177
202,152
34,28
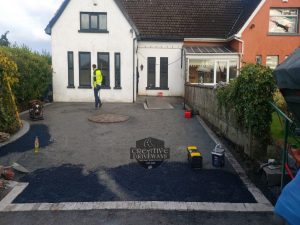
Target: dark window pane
x,y
102,22
94,22
84,69
84,21
164,72
70,69
117,70
70,60
151,72
103,65
258,59
104,60
85,60
85,78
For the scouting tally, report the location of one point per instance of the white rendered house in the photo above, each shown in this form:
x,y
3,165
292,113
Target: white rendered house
x,y
144,47
85,33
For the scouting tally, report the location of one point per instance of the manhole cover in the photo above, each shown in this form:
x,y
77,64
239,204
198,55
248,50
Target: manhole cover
x,y
108,118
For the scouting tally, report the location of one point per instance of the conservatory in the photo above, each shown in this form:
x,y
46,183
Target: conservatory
x,y
210,65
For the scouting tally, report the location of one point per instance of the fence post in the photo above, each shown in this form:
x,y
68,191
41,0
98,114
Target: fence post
x,y
284,153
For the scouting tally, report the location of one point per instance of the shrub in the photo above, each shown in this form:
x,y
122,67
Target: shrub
x,y
248,96
280,101
9,117
35,74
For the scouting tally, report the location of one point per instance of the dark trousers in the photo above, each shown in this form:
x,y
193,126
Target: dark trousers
x,y
96,94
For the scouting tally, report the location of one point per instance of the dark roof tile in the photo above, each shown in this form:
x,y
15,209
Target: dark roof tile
x,y
179,19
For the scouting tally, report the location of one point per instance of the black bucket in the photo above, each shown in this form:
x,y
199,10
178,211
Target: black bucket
x,y
218,156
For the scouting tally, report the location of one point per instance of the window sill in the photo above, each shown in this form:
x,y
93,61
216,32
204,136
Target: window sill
x,y
70,86
156,88
85,87
283,34
93,31
105,87
117,88
205,85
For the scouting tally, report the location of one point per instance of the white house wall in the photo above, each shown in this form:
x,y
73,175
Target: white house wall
x,y
65,37
172,50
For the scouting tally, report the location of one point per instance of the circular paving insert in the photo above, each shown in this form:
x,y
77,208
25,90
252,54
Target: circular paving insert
x,y
108,118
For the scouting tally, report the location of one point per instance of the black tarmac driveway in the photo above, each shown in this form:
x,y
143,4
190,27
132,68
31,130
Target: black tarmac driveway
x,y
84,161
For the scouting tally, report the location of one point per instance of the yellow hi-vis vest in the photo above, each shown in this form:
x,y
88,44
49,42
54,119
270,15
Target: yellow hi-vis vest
x,y
97,77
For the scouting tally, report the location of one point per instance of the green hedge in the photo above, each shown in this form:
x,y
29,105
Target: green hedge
x,y
9,117
35,74
248,96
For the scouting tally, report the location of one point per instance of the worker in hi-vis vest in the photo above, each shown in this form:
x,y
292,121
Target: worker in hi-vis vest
x,y
97,81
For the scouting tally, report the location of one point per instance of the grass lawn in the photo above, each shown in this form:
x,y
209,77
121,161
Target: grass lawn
x,y
277,130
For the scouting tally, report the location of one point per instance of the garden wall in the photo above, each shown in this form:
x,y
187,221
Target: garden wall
x,y
203,100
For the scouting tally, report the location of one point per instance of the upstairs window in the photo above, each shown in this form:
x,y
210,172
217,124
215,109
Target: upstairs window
x,y
93,22
283,21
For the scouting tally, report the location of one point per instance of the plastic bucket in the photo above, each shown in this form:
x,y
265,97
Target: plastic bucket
x,y
218,156
187,114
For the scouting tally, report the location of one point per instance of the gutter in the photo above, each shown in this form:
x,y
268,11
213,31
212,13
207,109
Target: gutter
x,y
240,40
232,53
133,67
212,39
206,39
243,46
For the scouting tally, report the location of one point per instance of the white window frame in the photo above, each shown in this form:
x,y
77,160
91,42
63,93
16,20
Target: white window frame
x,y
277,56
295,16
223,58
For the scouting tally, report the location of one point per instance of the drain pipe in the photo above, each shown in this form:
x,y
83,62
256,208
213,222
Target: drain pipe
x,y
242,50
133,69
183,57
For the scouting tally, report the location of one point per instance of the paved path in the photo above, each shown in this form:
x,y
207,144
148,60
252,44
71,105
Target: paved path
x,y
130,217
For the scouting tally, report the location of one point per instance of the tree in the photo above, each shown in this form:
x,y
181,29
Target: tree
x,y
248,96
3,40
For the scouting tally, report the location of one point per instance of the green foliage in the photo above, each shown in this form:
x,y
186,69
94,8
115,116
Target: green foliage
x,y
35,73
3,40
9,118
280,102
248,97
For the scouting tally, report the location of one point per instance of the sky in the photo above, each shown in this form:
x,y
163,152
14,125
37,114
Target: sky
x,y
26,20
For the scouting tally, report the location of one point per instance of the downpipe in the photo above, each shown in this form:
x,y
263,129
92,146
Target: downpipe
x,y
133,69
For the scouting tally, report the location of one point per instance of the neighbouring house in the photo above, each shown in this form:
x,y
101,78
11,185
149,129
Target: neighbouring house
x,y
154,47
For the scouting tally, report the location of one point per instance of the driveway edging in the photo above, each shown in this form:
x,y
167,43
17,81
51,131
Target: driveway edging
x,y
257,194
24,129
